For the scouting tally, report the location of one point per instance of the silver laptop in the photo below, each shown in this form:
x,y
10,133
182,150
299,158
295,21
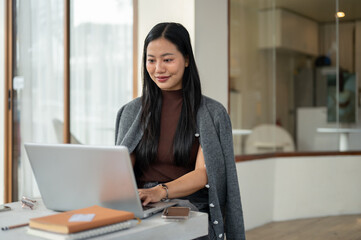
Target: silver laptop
x,y
72,176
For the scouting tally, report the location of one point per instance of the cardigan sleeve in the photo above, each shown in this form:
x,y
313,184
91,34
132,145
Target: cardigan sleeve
x,y
117,121
234,225
128,131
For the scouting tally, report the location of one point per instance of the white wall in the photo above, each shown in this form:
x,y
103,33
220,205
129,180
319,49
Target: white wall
x,y
2,83
256,181
281,189
211,37
317,186
206,21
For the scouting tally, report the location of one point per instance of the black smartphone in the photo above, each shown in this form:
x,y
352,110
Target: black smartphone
x,y
176,213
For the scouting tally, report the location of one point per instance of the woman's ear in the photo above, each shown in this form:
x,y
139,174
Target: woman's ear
x,y
186,61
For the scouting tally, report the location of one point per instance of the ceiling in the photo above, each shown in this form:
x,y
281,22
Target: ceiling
x,y
322,11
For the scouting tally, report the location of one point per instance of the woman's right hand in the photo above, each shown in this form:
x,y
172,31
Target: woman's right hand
x,y
151,195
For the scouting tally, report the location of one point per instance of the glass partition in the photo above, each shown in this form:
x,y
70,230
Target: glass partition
x,y
252,73
294,75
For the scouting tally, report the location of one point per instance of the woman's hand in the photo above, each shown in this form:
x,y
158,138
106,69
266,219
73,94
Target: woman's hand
x,y
150,195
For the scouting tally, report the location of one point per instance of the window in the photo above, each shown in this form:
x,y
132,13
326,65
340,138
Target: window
x,y
37,84
101,81
101,67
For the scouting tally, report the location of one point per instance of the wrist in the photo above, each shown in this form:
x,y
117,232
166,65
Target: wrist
x,y
164,197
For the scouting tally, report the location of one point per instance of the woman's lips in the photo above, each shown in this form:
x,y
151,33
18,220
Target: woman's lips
x,y
162,78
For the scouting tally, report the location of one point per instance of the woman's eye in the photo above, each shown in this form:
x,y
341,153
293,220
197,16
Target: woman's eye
x,y
151,60
168,60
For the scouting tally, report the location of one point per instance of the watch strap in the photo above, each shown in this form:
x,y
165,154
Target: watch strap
x,y
165,187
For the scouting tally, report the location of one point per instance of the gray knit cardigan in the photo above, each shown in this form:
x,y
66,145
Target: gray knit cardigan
x,y
214,128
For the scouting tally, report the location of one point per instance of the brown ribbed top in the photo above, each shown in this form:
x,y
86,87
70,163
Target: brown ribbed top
x,y
164,168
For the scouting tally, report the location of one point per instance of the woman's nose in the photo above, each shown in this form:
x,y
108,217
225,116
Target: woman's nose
x,y
159,67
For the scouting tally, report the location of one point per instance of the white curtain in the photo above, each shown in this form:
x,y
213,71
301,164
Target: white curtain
x,y
101,67
38,81
101,74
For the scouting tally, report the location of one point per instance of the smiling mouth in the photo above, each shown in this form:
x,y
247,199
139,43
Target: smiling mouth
x,y
162,79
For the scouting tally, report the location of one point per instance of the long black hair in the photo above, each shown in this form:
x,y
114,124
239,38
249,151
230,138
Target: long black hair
x,y
146,151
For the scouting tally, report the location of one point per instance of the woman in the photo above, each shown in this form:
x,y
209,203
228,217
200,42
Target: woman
x,y
180,141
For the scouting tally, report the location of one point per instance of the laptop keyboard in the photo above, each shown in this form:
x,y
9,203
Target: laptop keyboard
x,y
147,207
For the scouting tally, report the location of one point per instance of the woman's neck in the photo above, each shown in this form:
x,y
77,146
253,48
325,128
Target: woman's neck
x,y
172,94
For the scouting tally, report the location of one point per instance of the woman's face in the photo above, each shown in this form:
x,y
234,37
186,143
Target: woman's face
x,y
165,64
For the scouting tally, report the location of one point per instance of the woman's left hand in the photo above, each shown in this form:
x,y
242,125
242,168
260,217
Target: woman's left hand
x,y
154,194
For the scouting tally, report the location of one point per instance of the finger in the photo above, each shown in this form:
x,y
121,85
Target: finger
x,y
142,197
146,201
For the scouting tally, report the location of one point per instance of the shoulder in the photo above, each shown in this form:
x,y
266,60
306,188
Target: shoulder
x,y
213,113
131,107
127,125
129,111
212,106
135,103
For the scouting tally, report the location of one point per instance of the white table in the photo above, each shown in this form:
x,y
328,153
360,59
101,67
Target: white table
x,y
151,228
241,131
344,135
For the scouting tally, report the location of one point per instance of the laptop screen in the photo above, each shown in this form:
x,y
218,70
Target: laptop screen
x,y
72,176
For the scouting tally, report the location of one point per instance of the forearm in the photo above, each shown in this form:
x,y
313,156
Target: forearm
x,y
187,184
180,187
